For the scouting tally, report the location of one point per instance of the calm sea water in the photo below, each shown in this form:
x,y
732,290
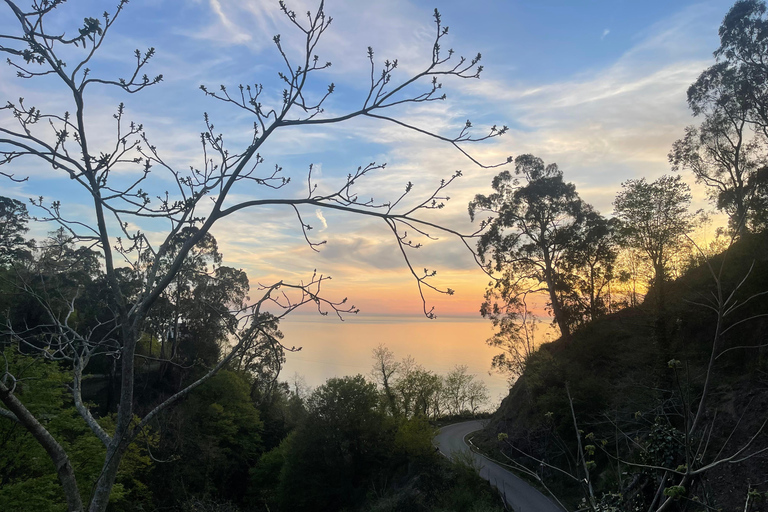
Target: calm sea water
x,y
331,348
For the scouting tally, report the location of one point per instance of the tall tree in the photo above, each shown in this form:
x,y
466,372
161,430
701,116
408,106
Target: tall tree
x,y
384,372
591,263
743,52
539,218
13,228
724,152
198,309
729,148
131,190
655,218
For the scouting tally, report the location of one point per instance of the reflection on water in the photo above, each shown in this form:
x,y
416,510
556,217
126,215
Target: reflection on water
x,y
332,348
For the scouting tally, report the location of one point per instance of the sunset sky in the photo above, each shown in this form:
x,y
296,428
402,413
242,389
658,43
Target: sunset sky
x,y
596,86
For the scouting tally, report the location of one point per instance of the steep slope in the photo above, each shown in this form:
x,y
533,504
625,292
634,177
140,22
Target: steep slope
x,y
630,383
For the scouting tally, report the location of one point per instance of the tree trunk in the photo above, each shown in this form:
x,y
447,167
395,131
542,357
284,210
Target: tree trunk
x,y
103,487
120,440
557,310
64,469
660,279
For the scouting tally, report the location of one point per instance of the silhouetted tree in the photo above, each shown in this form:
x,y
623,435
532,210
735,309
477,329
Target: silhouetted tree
x,y
654,218
724,153
591,261
532,240
729,148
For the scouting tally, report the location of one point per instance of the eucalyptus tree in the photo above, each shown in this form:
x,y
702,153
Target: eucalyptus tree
x,y
197,305
743,56
727,152
591,260
130,189
724,152
531,241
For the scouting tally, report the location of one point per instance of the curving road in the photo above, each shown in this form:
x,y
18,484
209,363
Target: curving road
x,y
518,493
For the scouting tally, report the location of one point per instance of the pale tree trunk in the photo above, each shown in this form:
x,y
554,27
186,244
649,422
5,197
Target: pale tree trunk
x,y
106,481
120,440
557,309
55,451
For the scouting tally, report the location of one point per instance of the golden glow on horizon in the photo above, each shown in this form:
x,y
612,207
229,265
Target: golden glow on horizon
x,y
332,348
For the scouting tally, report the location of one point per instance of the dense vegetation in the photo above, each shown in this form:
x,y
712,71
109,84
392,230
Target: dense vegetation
x,y
632,397
244,440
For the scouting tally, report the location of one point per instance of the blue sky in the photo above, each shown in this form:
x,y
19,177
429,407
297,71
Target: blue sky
x,y
596,86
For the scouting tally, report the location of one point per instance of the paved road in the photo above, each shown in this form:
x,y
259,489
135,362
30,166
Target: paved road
x,y
518,493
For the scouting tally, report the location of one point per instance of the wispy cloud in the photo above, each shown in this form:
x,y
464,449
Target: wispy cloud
x,y
321,218
606,125
602,125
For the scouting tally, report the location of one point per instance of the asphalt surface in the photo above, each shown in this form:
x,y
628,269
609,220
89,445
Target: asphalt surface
x,y
518,493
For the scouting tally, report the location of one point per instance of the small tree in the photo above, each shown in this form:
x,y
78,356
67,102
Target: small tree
x,y
462,391
654,218
415,388
384,372
516,337
131,189
409,390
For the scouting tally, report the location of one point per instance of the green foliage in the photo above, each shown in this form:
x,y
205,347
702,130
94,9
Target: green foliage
x,y
664,445
211,439
414,437
438,485
616,502
266,474
466,490
192,316
340,445
28,476
675,492
347,454
13,226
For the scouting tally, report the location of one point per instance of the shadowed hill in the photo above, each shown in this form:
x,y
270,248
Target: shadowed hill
x,y
630,392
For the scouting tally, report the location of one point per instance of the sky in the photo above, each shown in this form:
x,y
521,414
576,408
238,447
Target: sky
x,y
596,86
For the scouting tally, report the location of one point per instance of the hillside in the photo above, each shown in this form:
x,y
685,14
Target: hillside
x,y
630,383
